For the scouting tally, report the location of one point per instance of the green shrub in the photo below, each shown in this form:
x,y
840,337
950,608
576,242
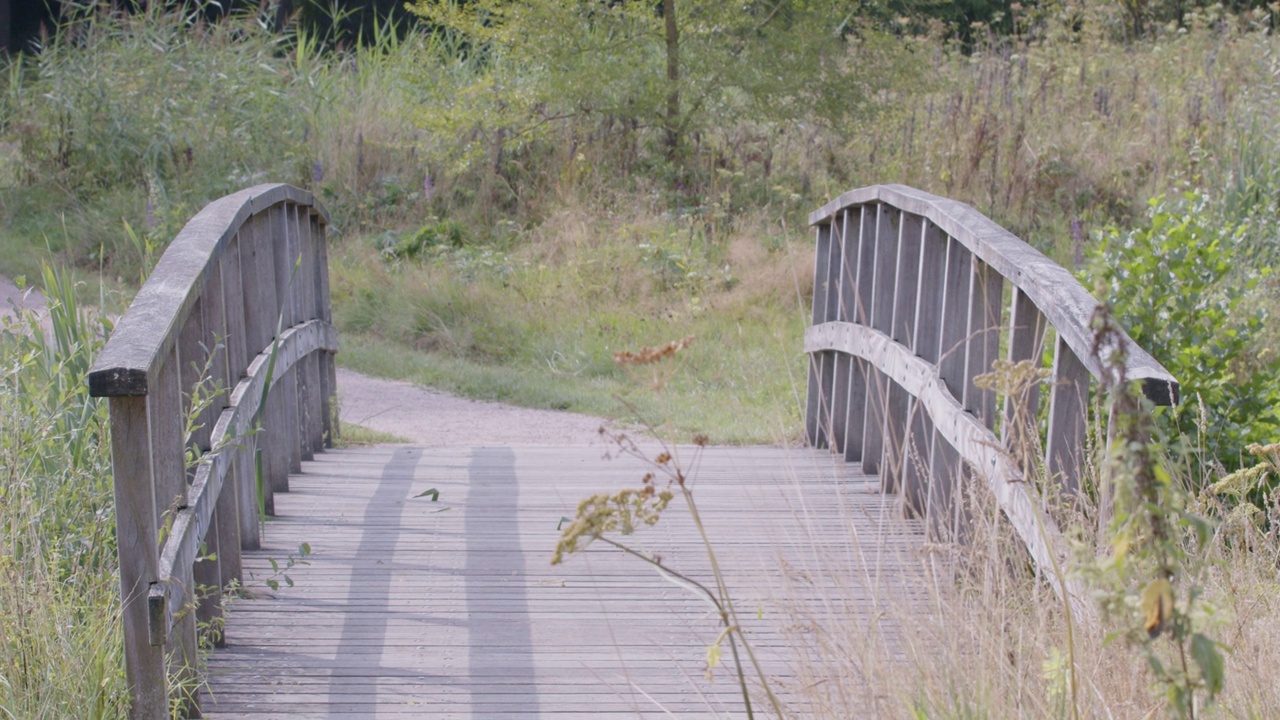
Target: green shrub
x,y
1178,284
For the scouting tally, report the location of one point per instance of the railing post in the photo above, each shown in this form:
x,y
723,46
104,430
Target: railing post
x,y
817,414
328,368
167,455
136,533
856,305
257,267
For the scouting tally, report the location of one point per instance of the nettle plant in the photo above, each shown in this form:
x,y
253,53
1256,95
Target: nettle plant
x,y
1179,283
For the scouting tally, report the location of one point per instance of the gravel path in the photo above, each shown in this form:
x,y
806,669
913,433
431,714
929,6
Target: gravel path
x,y
432,418
420,415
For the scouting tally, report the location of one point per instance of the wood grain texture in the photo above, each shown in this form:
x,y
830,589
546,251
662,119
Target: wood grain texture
x,y
1066,304
148,331
451,609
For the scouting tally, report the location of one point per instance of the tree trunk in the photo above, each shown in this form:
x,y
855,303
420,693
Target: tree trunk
x,y
673,79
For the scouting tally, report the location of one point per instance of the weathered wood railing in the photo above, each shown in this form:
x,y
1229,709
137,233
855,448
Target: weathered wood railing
x,y
909,307
242,292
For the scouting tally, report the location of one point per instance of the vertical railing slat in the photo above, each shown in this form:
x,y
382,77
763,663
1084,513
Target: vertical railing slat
x,y
1068,406
902,325
880,317
257,267
945,468
925,339
986,305
816,411
1026,343
841,364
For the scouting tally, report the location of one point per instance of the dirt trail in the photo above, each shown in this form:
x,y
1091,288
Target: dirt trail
x,y
419,415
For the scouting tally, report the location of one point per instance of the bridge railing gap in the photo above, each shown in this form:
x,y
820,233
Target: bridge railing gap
x,y
914,297
246,279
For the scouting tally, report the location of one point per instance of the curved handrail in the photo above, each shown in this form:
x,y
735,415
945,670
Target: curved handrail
x,y
1066,303
236,313
909,309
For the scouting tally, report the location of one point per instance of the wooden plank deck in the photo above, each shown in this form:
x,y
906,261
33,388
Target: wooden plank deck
x,y
451,609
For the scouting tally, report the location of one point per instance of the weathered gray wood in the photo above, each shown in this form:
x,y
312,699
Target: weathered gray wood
x,y
145,334
859,261
459,614
883,277
961,431
312,401
902,329
1066,304
166,412
136,532
287,261
926,340
842,370
986,302
1068,410
192,523
818,410
328,368
211,286
234,297
1026,343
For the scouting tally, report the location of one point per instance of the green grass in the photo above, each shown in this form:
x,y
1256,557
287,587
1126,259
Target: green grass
x,y
351,435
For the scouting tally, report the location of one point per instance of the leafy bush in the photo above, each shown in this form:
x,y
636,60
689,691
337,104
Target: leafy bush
x,y
440,234
1178,284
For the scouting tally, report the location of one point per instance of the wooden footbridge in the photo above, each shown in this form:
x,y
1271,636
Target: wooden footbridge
x,y
426,588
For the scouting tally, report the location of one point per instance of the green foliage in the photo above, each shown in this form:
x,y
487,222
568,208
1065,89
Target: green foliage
x,y
1179,284
444,234
1157,544
60,654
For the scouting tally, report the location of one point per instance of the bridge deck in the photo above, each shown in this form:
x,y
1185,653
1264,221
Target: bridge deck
x,y
451,609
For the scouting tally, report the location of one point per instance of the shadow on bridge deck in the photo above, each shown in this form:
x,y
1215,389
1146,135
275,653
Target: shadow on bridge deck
x,y
451,609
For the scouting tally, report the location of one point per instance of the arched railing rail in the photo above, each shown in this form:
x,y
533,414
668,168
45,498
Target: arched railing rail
x,y
915,296
236,310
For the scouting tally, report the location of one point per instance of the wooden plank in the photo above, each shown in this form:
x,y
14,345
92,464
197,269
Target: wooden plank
x,y
925,342
883,272
146,333
817,409
1067,305
972,440
1068,410
902,329
842,370
284,244
136,532
405,610
1020,431
986,303
859,258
